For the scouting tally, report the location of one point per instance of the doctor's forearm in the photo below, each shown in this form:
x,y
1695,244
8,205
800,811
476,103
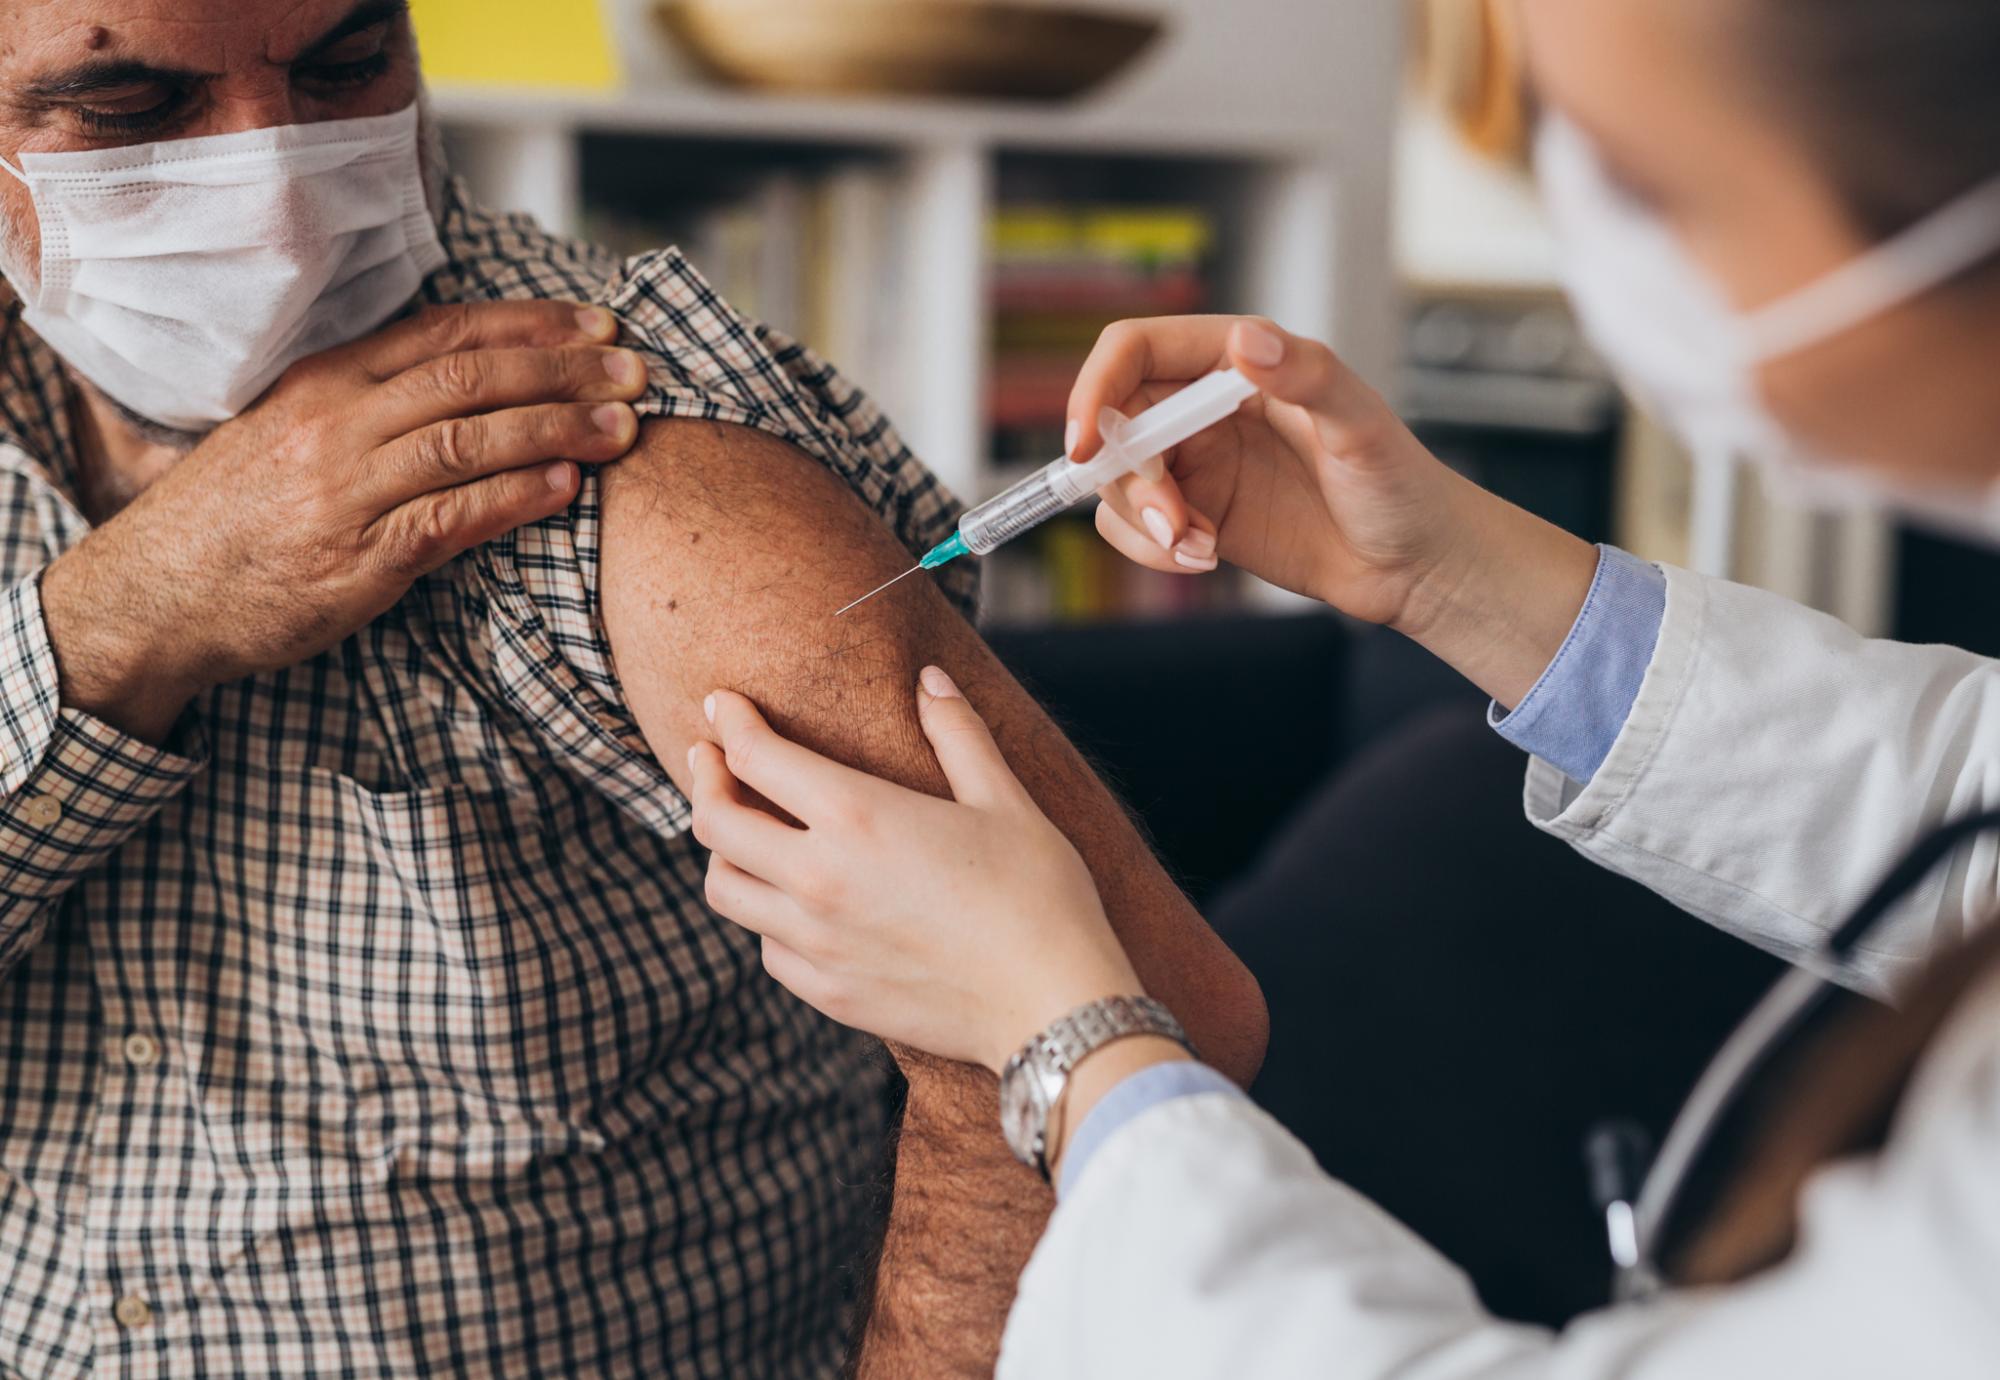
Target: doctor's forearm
x,y
1497,602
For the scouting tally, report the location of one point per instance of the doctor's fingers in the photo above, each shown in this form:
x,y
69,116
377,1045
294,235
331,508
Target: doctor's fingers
x,y
973,766
754,903
816,790
461,449
1135,363
1151,499
730,825
1194,553
448,330
1347,415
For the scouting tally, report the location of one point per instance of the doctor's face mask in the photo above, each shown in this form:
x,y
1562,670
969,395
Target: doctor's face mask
x,y
1689,358
182,277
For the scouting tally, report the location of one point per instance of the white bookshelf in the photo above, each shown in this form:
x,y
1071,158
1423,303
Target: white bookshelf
x,y
1280,111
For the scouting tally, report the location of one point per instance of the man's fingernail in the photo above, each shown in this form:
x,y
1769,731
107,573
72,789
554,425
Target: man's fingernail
x,y
708,708
1071,435
1157,524
1197,543
1202,563
596,322
937,683
1260,345
624,367
558,475
693,748
609,418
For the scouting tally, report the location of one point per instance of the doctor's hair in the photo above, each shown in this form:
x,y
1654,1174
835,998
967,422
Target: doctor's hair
x,y
1898,99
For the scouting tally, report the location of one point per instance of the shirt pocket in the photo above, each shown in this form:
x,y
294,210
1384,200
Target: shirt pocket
x,y
440,970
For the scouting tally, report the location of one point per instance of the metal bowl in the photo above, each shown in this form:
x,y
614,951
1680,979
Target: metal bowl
x,y
931,47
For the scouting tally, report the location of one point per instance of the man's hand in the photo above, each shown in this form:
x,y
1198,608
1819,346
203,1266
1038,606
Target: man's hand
x,y
361,470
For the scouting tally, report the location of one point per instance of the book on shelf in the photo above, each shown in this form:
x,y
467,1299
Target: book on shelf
x,y
814,253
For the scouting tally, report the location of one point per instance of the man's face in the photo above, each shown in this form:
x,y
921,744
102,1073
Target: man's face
x,y
95,74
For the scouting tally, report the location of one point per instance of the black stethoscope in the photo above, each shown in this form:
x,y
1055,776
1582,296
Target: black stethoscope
x,y
1635,1223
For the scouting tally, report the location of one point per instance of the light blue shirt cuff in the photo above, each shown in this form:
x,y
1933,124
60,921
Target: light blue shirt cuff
x,y
1576,710
1147,1088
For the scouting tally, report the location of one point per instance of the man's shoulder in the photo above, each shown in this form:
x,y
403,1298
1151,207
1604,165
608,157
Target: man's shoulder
x,y
492,255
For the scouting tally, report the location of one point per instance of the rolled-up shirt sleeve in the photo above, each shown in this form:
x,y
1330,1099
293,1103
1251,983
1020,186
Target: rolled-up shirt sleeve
x,y
72,787
1573,714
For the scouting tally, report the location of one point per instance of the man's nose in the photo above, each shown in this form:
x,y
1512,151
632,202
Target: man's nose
x,y
252,102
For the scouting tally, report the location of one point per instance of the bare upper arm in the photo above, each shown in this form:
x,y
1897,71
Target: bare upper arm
x,y
726,553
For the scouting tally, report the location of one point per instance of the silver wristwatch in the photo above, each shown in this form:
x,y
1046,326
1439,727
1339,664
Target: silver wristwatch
x,y
1034,1081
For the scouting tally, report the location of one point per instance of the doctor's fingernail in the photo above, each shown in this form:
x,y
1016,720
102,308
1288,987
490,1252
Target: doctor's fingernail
x,y
1157,524
609,418
708,708
938,684
1197,563
1197,543
1260,345
624,367
1071,435
693,748
596,322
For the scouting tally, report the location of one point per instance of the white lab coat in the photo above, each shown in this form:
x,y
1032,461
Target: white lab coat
x,y
1772,767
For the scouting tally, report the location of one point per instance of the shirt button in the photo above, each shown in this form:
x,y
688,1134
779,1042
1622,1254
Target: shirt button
x,y
141,1050
131,1311
41,810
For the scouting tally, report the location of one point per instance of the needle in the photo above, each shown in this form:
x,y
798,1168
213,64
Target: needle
x,y
879,588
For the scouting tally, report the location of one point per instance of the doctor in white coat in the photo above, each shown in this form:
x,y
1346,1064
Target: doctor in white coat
x,y
1782,222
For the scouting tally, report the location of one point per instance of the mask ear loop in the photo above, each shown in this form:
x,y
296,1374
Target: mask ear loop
x,y
1927,255
16,173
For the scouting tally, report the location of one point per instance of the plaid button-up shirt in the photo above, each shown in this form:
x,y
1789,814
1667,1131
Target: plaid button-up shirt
x,y
375,1024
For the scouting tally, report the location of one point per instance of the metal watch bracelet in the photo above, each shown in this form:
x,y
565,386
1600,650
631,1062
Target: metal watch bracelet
x,y
1035,1081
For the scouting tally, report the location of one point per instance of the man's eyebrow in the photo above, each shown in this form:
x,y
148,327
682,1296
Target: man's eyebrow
x,y
110,74
363,16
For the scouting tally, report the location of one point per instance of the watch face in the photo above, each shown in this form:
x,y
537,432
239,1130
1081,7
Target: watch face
x,y
1021,1117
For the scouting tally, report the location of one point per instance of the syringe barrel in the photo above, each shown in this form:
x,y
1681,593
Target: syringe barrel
x,y
1127,444
1018,509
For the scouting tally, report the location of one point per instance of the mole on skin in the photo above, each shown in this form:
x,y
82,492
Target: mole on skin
x,y
95,37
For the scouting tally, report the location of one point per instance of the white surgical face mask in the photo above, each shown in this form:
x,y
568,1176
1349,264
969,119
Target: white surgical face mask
x,y
183,277
1689,358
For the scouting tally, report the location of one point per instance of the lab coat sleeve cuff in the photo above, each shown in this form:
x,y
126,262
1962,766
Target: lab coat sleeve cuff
x,y
1579,811
1572,716
1139,1093
71,786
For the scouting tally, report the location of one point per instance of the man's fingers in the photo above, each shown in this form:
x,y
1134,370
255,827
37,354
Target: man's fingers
x,y
460,449
726,823
423,534
805,785
438,331
978,774
475,381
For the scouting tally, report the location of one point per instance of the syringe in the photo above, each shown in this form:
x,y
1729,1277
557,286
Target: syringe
x,y
1129,444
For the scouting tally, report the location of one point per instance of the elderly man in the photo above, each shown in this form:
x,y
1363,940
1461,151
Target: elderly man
x,y
362,1015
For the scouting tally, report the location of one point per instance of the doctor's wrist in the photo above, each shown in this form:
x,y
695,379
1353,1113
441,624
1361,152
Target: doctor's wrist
x,y
1500,599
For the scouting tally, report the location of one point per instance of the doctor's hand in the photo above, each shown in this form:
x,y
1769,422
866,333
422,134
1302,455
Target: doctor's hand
x,y
958,927
360,470
1317,486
